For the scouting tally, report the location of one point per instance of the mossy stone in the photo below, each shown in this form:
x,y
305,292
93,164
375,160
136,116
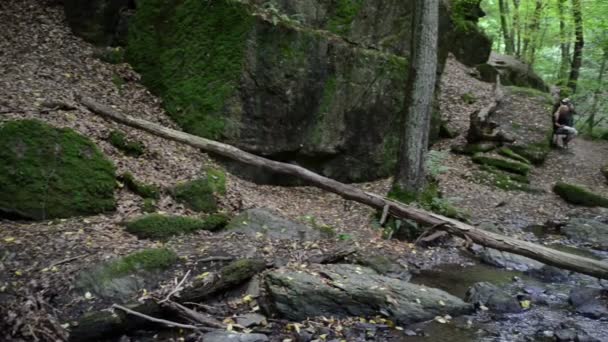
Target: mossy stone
x,y
471,149
507,152
239,270
502,163
578,195
536,153
119,140
48,172
139,188
148,206
146,260
162,227
199,194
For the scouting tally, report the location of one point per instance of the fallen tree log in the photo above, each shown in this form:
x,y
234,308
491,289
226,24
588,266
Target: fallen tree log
x,y
398,210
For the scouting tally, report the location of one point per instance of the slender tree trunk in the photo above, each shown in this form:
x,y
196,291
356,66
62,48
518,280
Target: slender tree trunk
x,y
564,44
504,13
538,44
596,95
420,91
530,39
517,28
577,58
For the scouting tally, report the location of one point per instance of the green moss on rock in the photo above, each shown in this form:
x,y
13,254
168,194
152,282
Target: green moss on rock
x,y
429,199
578,195
47,172
146,260
507,152
130,147
344,13
502,163
238,271
139,188
161,227
536,153
148,206
199,194
195,32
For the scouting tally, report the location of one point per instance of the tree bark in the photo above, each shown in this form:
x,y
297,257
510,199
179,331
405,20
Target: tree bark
x,y
420,92
517,28
596,95
577,58
530,39
564,44
503,7
543,254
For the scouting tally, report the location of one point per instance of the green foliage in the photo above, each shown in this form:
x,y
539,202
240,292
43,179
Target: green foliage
x,y
433,163
577,194
191,52
199,194
132,148
139,188
502,163
468,98
464,12
118,81
507,152
429,199
47,172
345,12
147,260
502,180
161,227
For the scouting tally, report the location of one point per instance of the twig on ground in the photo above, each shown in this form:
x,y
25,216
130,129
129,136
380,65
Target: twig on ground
x,y
158,320
176,289
423,236
64,261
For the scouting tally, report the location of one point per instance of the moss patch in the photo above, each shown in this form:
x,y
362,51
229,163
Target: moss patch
x,y
507,152
535,153
237,271
199,194
502,180
161,227
468,98
148,206
111,55
139,188
345,12
502,163
578,195
46,172
191,52
146,260
429,199
130,147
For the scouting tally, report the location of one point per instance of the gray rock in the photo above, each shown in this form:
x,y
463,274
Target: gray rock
x,y
514,72
589,231
508,260
253,222
549,274
385,266
492,297
348,290
226,336
590,302
251,319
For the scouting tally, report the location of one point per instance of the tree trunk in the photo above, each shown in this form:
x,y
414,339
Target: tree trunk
x,y
517,28
503,7
577,58
530,40
564,44
398,210
420,92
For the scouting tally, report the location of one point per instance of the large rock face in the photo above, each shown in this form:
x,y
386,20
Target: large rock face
x,y
47,172
103,22
349,290
316,82
515,72
263,222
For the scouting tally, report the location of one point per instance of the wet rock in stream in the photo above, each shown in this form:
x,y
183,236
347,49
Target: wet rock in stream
x,y
590,302
496,299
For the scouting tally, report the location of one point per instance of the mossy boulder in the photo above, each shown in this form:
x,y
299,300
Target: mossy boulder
x,y
507,152
261,222
515,72
536,153
48,172
139,188
200,194
162,227
124,277
501,163
579,195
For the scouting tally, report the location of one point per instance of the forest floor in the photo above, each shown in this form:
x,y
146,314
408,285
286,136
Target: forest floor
x,y
41,60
